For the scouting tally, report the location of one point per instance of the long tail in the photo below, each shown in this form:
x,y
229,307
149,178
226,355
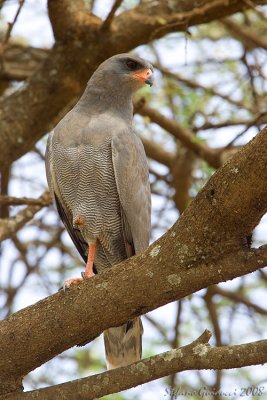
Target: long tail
x,y
123,344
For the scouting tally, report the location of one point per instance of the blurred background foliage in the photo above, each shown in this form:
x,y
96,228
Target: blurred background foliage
x,y
211,81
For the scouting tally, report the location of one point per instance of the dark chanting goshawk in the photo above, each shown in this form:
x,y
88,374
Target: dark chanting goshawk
x,y
97,174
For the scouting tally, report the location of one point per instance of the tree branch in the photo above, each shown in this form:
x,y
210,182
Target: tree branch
x,y
200,250
182,169
12,24
197,355
69,18
210,235
9,226
239,298
171,21
157,153
106,24
44,200
213,92
20,62
249,36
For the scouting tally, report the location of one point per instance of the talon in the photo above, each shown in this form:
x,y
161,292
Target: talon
x,y
65,287
67,284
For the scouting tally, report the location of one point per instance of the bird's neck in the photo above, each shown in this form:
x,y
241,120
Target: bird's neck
x,y
97,100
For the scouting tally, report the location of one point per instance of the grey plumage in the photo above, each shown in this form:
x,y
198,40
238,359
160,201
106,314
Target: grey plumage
x,y
98,176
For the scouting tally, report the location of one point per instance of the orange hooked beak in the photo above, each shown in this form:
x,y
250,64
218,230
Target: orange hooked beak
x,y
144,75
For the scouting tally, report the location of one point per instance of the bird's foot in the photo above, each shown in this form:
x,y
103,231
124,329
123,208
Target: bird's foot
x,y
67,284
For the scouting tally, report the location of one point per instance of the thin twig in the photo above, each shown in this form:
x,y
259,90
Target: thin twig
x,y
19,201
9,226
250,4
253,122
239,298
106,24
210,90
8,34
12,24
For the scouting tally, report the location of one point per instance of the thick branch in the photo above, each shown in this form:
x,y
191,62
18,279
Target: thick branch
x,y
25,346
200,250
68,17
22,335
195,356
178,16
20,62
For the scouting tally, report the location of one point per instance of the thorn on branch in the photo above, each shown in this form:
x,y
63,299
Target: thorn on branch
x,y
204,338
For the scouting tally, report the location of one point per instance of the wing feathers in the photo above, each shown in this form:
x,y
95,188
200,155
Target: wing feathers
x,y
131,174
75,235
64,214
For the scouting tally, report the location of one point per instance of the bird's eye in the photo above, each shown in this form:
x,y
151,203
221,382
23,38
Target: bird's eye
x,y
132,64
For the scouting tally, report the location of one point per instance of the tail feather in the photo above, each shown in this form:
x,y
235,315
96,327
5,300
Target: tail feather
x,y
123,344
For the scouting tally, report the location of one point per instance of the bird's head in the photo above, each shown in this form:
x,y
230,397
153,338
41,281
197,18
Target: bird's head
x,y
124,71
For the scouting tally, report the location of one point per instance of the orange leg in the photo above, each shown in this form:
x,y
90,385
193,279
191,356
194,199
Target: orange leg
x,y
90,261
88,270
